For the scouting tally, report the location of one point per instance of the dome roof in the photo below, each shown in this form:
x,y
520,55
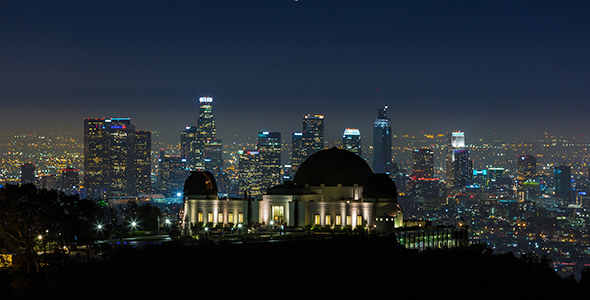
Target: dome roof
x,y
289,188
200,183
332,167
380,185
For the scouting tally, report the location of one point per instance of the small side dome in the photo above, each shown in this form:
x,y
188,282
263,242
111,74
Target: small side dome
x,y
380,185
200,183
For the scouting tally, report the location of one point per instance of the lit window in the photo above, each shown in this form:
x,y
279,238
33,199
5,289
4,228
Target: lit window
x,y
200,217
240,218
338,220
210,217
317,220
328,221
230,217
359,220
220,218
348,220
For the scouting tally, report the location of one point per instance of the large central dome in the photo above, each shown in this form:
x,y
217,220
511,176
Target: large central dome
x,y
332,167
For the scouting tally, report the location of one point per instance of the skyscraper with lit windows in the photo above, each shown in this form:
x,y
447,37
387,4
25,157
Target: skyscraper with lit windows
x,y
423,163
302,145
314,125
351,141
199,144
382,142
527,168
269,146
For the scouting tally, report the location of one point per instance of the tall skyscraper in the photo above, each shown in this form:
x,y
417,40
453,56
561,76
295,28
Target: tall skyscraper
x,y
249,172
314,125
27,173
172,175
351,141
269,146
382,143
562,179
199,145
423,163
302,145
462,169
117,158
456,142
527,168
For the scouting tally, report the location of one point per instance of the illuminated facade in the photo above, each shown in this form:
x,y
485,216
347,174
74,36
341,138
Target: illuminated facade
x,y
314,125
527,168
457,172
269,163
351,141
302,145
423,163
117,158
382,157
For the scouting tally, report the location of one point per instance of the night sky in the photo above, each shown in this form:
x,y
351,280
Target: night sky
x,y
509,67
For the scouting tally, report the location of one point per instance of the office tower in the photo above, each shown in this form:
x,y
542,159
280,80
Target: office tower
x,y
455,142
351,141
462,169
527,168
199,144
269,146
143,165
27,173
423,163
314,125
172,175
382,143
117,158
480,178
96,157
302,145
249,172
70,179
562,182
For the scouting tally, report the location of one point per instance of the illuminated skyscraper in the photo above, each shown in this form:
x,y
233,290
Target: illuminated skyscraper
x,y
382,143
527,168
351,141
455,142
172,175
96,157
302,145
269,146
117,158
199,144
423,163
249,172
314,125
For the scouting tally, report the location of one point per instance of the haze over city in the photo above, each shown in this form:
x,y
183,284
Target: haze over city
x,y
482,67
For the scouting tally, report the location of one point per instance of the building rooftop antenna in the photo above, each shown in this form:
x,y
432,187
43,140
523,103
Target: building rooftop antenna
x,y
381,99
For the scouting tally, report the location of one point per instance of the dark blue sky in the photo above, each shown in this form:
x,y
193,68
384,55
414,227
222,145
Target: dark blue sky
x,y
479,66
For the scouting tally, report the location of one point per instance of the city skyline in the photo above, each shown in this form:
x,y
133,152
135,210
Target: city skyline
x,y
520,67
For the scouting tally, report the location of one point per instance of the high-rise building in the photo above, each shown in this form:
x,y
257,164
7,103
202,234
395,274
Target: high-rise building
x,y
351,141
269,146
27,173
117,158
172,174
302,145
249,172
456,142
382,143
199,145
462,169
423,163
527,168
314,125
562,182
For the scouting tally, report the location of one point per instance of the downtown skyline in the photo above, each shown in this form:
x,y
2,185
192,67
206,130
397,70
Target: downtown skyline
x,y
510,68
